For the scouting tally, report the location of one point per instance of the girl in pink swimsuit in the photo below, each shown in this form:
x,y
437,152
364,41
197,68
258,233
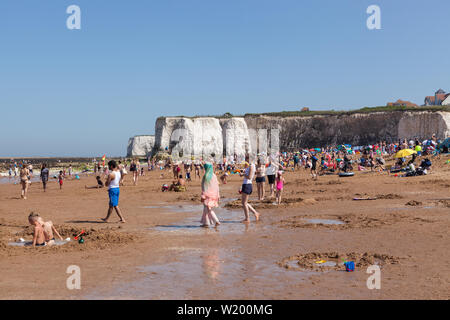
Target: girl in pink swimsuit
x,y
280,184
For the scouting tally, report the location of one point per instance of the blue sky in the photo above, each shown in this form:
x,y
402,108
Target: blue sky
x,y
85,92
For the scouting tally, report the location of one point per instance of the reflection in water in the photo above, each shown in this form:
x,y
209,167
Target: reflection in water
x,y
231,222
205,273
211,264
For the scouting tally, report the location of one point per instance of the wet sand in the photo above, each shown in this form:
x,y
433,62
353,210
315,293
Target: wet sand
x,y
162,253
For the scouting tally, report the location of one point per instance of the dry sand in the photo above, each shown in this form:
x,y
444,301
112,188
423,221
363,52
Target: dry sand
x,y
162,253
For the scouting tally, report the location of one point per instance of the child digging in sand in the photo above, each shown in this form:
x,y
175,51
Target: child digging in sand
x,y
49,229
280,185
38,233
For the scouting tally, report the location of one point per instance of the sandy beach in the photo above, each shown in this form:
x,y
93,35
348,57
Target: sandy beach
x,y
163,253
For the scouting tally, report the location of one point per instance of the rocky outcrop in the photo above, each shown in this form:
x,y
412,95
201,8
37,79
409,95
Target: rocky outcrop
x,y
140,146
210,137
236,138
187,138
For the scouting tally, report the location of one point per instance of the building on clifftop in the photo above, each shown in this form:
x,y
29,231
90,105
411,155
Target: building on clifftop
x,y
401,103
438,99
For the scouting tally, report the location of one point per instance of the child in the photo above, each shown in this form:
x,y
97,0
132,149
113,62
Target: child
x,y
188,172
314,167
280,184
99,184
49,228
38,234
224,177
60,179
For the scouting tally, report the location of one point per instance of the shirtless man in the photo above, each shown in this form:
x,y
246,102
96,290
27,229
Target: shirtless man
x,y
49,228
38,234
178,185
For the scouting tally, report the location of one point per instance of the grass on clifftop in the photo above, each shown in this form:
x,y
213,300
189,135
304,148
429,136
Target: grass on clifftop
x,y
325,112
349,112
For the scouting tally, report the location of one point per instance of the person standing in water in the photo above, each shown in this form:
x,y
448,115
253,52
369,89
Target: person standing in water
x,y
210,196
112,182
247,189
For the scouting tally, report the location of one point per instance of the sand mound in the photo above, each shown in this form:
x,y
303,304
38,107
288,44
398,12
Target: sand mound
x,y
389,196
308,260
94,239
349,221
270,203
444,203
413,203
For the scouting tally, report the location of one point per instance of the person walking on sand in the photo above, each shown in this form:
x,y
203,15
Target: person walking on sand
x,y
44,176
123,172
210,196
270,172
280,185
112,182
135,168
260,179
24,178
247,189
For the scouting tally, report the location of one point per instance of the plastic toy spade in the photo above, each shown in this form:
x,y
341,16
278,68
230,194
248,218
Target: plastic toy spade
x,y
80,234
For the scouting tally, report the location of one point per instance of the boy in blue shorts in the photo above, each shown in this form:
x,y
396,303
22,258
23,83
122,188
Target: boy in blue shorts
x,y
112,182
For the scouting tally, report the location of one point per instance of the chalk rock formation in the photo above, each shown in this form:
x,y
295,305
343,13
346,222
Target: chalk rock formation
x,y
140,146
424,124
209,137
355,129
187,138
236,138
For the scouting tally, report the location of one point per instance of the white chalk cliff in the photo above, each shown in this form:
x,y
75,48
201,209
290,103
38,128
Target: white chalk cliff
x,y
210,137
139,146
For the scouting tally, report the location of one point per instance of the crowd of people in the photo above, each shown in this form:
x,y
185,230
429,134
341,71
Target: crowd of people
x,y
262,170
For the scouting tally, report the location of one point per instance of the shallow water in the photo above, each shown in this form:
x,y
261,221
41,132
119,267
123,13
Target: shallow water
x,y
231,222
324,221
213,273
28,243
187,207
177,208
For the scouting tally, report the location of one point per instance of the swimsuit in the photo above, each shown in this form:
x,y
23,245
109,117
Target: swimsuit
x,y
280,185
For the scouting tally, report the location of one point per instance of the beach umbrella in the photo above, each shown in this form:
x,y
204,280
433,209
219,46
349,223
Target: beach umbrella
x,y
404,153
